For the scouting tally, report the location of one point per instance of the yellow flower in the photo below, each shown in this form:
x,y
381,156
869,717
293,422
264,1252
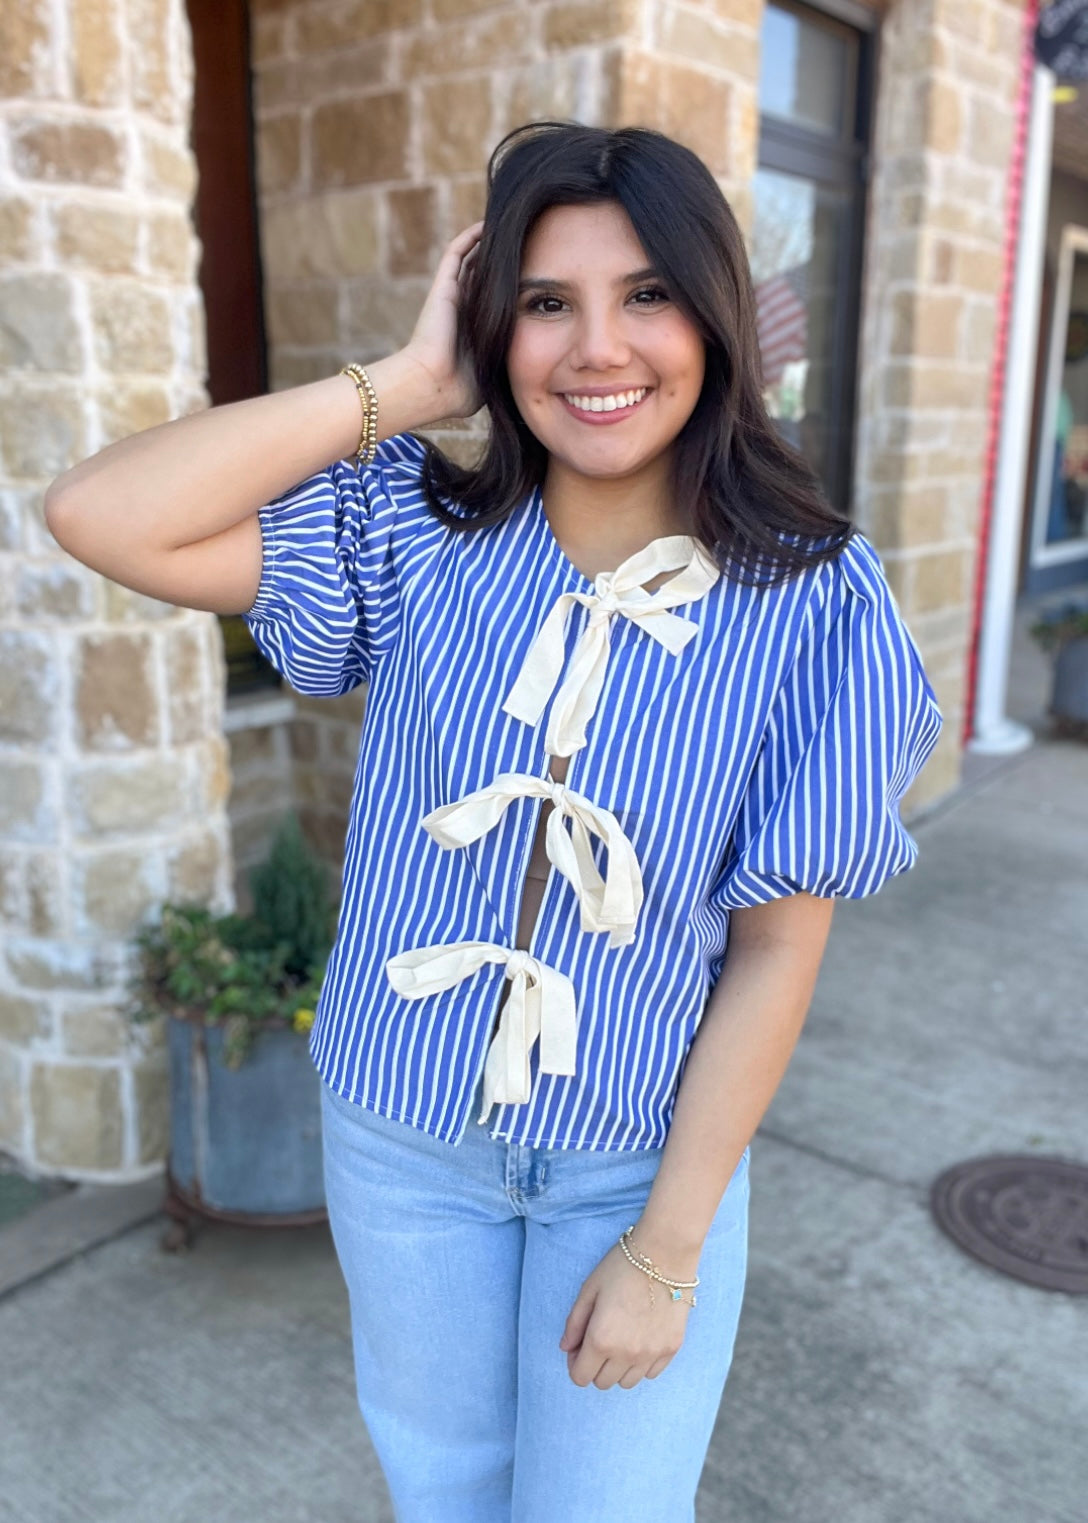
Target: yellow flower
x,y
303,1020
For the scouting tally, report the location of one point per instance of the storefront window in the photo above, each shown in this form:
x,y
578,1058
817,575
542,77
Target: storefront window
x,y
806,234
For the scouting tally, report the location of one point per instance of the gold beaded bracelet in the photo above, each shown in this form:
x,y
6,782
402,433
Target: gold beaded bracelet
x,y
368,397
648,1267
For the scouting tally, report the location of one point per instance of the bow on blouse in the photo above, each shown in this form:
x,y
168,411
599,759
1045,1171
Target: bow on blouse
x,y
540,1004
620,591
609,904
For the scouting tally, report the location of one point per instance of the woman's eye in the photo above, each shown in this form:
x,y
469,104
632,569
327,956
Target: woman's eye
x,y
655,292
536,304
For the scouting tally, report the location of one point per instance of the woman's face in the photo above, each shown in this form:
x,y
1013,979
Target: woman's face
x,y
594,322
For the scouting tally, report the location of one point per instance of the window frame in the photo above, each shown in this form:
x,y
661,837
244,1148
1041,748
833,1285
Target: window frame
x,y
840,163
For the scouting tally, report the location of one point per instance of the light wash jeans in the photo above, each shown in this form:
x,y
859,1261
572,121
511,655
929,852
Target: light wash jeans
x,y
462,1264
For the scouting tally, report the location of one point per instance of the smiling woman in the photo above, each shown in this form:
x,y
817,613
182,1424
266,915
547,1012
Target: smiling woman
x,y
640,708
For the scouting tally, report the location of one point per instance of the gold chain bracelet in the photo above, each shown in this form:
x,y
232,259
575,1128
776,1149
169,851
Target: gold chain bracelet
x,y
368,397
648,1267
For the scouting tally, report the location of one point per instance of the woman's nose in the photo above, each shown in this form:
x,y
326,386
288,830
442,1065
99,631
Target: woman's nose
x,y
600,342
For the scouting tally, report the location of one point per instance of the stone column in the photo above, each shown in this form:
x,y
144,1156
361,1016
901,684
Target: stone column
x,y
943,141
112,765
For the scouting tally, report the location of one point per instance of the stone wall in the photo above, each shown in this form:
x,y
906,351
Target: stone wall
x,y
943,140
374,123
112,766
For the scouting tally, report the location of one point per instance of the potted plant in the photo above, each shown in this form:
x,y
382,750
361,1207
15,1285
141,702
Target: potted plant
x,y
238,993
1065,632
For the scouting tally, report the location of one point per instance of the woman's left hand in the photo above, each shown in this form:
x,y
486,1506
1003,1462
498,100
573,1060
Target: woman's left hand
x,y
613,1335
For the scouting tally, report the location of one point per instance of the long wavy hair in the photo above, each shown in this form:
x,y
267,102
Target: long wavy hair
x,y
752,500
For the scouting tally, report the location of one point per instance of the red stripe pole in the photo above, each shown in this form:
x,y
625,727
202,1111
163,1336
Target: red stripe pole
x,y
1001,349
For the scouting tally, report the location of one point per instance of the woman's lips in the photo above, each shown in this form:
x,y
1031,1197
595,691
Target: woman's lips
x,y
616,416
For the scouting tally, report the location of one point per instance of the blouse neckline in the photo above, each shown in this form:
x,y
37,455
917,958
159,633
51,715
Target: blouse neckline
x,y
563,560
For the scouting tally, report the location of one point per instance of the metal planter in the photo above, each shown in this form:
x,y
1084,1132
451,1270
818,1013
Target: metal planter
x,y
245,1143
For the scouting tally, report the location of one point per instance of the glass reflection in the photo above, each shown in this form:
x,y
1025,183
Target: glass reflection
x,y
812,96
797,237
1066,514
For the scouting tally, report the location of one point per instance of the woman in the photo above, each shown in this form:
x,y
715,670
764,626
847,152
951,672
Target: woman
x,y
635,693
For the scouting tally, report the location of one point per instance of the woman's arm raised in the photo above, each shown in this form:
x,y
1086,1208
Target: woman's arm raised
x,y
172,512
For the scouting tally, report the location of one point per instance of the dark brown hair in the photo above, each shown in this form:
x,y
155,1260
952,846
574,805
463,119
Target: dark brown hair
x,y
752,499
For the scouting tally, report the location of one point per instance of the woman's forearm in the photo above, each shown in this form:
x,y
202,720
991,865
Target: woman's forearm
x,y
186,481
737,1059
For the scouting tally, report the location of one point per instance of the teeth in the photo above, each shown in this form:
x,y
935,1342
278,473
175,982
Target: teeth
x,y
617,399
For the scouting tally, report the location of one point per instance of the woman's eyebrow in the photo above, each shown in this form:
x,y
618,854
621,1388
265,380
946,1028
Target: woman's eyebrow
x,y
544,282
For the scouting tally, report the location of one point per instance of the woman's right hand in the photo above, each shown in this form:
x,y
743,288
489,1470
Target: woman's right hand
x,y
433,343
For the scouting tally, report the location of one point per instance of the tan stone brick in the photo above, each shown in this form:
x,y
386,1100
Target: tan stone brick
x,y
980,269
124,606
76,1115
964,18
683,102
383,313
103,238
185,679
304,741
95,51
303,314
979,330
12,1110
267,38
24,811
132,327
37,326
381,121
933,386
213,769
413,230
112,892
279,152
167,169
45,893
94,1031
468,197
331,235
941,579
989,133
497,38
304,81
143,793
742,12
547,89
688,34
25,46
171,245
56,965
926,324
116,705
193,869
151,1093
28,688
16,230
457,142
580,23
83,153
455,10
942,261
128,407
51,591
150,85
319,30
41,433
22,1019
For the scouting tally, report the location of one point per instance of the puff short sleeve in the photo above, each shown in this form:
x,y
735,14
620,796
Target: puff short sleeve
x,y
852,726
327,606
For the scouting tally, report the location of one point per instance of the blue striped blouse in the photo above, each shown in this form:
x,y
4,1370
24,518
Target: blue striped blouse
x,y
767,756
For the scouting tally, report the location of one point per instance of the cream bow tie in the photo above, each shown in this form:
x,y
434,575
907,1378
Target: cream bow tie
x,y
541,1004
609,904
619,591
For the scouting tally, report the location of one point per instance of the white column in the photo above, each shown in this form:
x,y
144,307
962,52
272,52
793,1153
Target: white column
x,y
994,733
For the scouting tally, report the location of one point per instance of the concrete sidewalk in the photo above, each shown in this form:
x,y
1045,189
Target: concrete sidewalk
x,y
881,1376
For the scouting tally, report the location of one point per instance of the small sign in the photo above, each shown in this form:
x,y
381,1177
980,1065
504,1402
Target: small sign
x,y
1061,38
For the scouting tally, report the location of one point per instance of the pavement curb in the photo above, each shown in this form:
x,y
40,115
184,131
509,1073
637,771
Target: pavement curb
x,y
58,1230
